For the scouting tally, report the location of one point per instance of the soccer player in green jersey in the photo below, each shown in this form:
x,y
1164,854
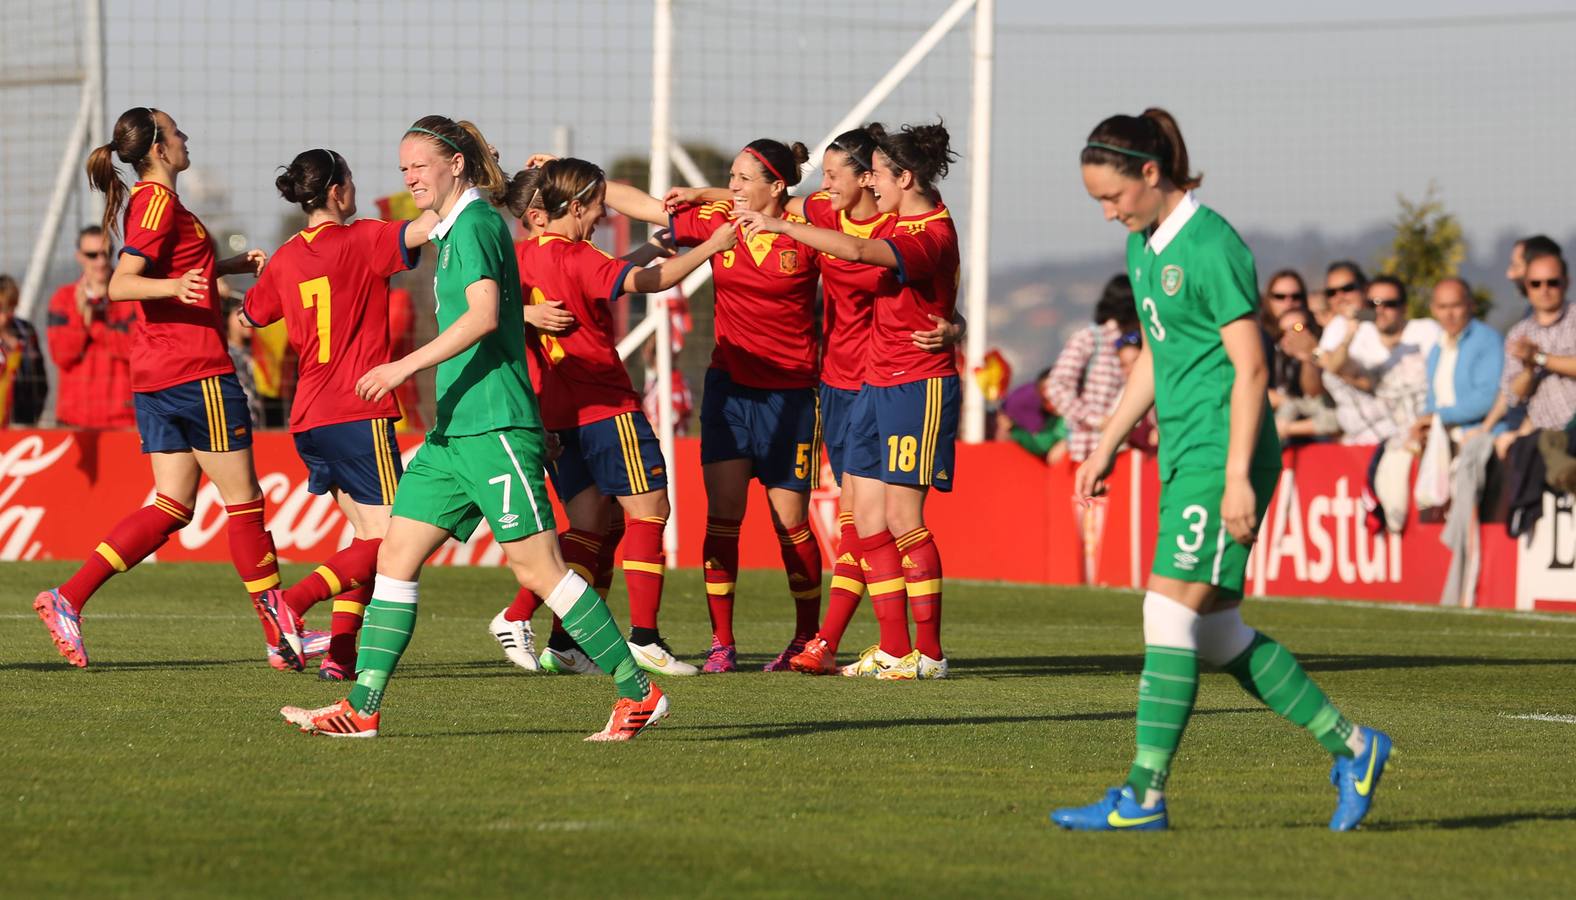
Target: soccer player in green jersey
x,y
1202,367
483,458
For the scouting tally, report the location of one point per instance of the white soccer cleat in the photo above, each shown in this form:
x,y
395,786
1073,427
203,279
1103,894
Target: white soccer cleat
x,y
517,640
877,663
931,668
301,717
568,662
657,659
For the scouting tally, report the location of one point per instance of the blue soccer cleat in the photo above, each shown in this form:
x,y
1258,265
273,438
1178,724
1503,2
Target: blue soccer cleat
x,y
1119,811
1357,778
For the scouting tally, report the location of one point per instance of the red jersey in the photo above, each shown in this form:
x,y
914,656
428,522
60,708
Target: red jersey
x,y
331,286
765,301
581,378
848,290
93,361
174,342
924,284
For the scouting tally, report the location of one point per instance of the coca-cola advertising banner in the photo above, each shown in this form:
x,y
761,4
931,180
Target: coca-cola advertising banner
x,y
1011,518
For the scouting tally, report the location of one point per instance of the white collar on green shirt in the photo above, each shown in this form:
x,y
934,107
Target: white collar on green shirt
x,y
441,230
1168,229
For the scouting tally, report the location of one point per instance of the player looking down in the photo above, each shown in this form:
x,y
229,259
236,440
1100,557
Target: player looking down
x,y
1202,368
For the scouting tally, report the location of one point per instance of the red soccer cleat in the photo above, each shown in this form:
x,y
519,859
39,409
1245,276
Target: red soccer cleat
x,y
631,717
817,658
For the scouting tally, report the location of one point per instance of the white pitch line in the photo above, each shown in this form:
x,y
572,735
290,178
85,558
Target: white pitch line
x,y
1542,717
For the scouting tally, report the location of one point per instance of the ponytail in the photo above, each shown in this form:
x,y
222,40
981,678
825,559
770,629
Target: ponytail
x,y
481,160
135,134
1127,143
309,176
780,161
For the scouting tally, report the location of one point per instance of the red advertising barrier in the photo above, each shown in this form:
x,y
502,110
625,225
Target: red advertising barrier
x,y
1011,519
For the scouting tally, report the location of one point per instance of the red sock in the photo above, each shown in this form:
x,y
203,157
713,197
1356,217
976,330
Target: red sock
x,y
129,542
802,562
721,552
523,607
922,578
252,547
644,570
888,596
349,608
345,571
848,584
608,553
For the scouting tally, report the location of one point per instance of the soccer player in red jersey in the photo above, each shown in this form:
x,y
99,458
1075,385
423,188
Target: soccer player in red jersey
x,y
846,202
904,422
330,283
758,414
607,446
191,413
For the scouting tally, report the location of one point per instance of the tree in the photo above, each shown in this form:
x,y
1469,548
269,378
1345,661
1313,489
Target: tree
x,y
1427,247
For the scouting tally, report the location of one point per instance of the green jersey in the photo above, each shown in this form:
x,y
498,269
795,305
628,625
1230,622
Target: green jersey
x,y
1191,277
487,387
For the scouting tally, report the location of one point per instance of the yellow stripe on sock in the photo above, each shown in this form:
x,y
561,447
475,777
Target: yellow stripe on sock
x,y
111,557
658,520
845,518
851,585
262,584
582,571
172,510
329,576
582,541
889,586
913,538
718,588
350,606
809,594
635,565
924,588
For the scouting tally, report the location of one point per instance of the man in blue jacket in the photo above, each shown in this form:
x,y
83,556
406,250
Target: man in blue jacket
x,y
1464,366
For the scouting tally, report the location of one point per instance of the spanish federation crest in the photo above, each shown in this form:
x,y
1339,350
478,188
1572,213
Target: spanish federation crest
x,y
788,262
1171,280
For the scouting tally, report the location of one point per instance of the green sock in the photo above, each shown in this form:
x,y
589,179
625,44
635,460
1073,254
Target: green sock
x,y
1273,676
385,633
593,628
1166,692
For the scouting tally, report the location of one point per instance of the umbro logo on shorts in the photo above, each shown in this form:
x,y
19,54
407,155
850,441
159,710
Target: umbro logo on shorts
x,y
508,520
1185,561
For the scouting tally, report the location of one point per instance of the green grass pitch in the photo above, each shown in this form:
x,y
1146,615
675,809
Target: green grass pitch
x,y
164,769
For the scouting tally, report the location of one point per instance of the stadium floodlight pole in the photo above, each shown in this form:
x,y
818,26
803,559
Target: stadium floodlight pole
x,y
889,82
976,298
658,306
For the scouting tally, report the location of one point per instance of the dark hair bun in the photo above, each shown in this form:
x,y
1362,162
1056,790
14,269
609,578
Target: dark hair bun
x,y
801,153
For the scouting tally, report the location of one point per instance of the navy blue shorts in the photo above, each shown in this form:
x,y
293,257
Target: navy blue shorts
x,y
905,434
837,412
207,414
620,457
360,458
778,430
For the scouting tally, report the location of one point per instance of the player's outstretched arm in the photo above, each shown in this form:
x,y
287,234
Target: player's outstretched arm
x,y
680,196
479,320
636,203
670,273
838,244
419,228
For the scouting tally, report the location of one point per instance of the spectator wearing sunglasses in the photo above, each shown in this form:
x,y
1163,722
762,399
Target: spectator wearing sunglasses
x,y
1379,366
1528,248
1538,386
1465,365
90,342
1310,416
1289,377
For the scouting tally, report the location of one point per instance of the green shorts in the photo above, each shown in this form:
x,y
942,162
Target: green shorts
x,y
456,482
1193,544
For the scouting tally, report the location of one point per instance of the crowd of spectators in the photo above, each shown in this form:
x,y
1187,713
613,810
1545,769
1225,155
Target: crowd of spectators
x,y
1349,364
